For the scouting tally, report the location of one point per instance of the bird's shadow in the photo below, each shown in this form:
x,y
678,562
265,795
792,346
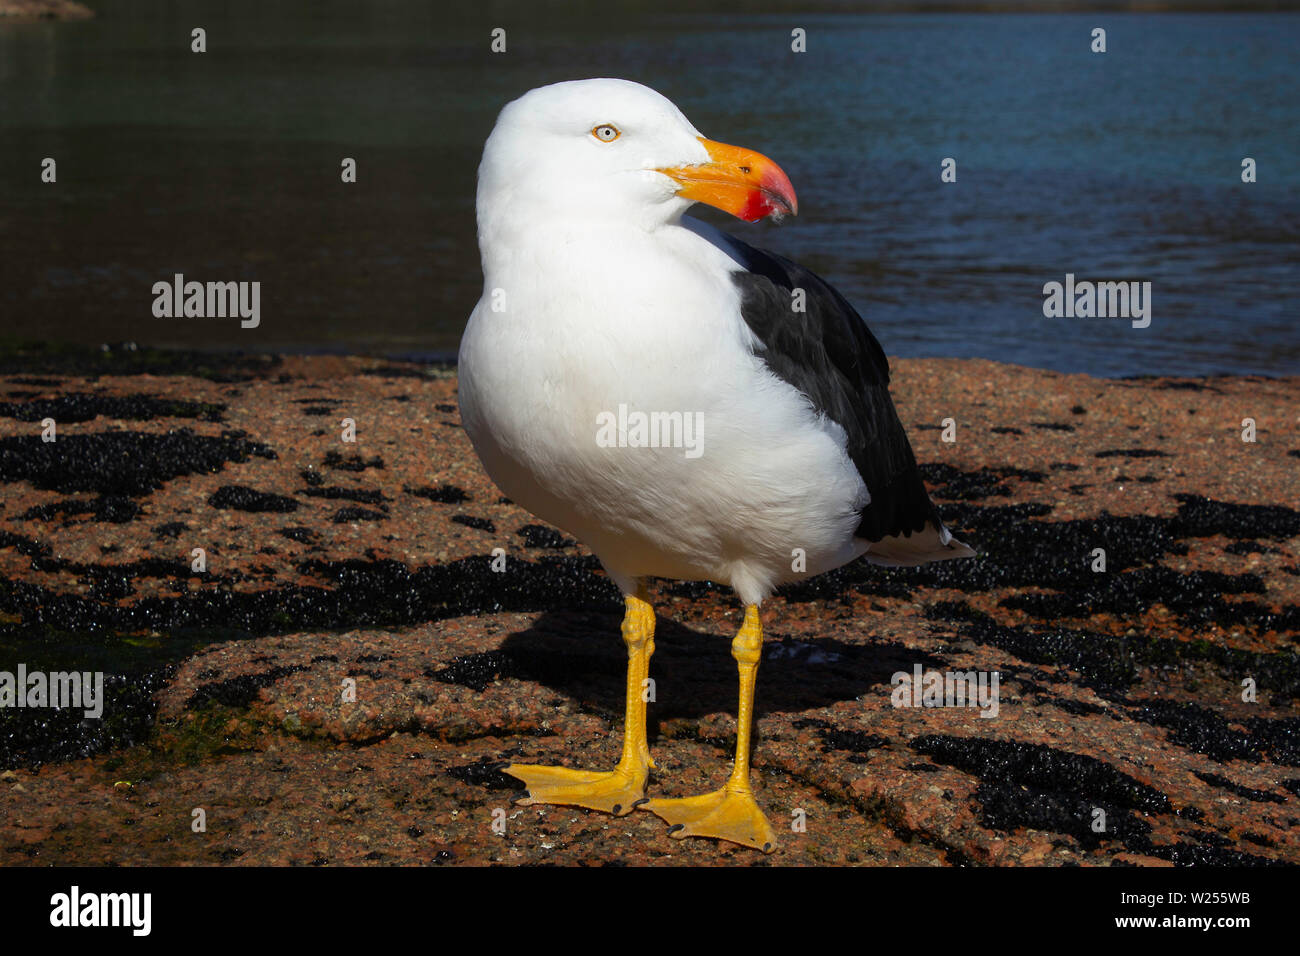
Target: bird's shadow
x,y
581,656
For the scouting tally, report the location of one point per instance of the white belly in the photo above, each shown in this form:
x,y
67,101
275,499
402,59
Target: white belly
x,y
760,482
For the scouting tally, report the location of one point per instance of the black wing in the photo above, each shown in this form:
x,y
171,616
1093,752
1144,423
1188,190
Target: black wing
x,y
828,353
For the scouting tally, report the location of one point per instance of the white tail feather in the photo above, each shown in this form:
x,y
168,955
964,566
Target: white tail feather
x,y
929,544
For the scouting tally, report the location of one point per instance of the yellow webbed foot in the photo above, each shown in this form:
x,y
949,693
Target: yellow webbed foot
x,y
731,815
614,792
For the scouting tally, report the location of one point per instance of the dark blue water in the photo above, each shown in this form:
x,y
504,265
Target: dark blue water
x,y
1123,165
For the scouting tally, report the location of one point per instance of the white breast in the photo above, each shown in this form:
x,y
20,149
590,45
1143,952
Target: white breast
x,y
618,316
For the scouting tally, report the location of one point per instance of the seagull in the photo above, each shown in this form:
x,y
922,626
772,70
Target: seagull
x,y
686,405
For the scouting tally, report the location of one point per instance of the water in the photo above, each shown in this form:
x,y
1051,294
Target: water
x,y
225,166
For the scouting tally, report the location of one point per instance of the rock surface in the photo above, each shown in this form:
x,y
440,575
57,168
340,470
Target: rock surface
x,y
45,10
327,563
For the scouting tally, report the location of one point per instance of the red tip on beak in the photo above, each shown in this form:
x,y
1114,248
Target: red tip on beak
x,y
739,181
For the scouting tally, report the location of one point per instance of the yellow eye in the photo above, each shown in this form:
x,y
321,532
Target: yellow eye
x,y
606,133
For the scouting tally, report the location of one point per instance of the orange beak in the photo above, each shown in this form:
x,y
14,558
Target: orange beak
x,y
738,181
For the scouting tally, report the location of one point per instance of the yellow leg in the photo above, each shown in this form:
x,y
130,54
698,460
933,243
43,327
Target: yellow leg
x,y
615,792
730,813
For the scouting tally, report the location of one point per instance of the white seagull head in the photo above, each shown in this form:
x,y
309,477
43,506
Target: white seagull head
x,y
609,148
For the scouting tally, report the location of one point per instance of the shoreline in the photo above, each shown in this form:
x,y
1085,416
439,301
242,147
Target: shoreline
x,y
21,356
